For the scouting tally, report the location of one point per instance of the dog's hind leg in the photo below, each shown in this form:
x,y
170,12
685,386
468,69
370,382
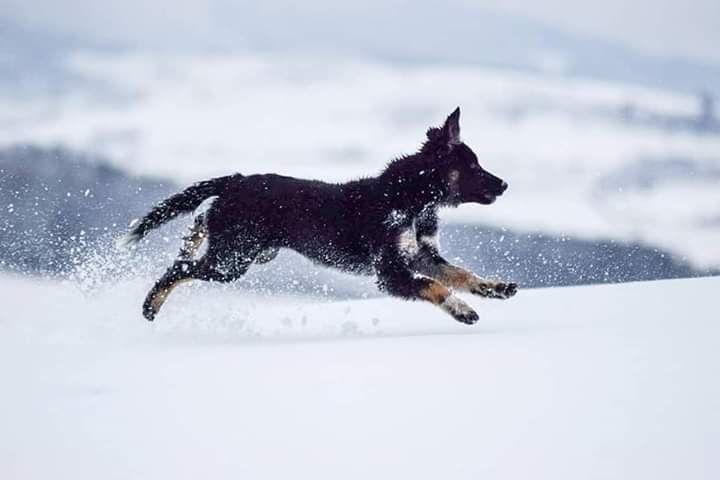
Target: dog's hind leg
x,y
178,273
221,263
184,271
194,239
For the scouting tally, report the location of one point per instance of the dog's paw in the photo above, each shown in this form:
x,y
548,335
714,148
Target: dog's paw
x,y
499,290
468,318
461,311
504,290
149,311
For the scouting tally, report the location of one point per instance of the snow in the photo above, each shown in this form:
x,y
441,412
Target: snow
x,y
615,381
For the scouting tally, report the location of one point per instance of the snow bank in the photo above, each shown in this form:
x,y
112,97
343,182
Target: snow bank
x,y
591,382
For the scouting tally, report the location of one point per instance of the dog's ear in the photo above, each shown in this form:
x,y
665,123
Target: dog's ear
x,y
451,129
449,133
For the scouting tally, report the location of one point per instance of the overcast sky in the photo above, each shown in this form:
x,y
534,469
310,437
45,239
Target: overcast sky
x,y
688,28
667,27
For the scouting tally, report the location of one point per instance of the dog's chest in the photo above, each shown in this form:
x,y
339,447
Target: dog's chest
x,y
407,242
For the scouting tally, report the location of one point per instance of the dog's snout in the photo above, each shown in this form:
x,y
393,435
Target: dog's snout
x,y
503,186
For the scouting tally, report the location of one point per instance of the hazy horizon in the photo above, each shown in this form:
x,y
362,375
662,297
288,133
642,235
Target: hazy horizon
x,y
690,30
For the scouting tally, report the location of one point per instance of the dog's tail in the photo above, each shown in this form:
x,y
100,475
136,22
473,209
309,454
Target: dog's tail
x,y
180,203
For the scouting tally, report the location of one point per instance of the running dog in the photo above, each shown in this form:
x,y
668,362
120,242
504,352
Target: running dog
x,y
385,225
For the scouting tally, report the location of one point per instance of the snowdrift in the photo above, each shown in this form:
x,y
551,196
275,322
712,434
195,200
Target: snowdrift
x,y
588,382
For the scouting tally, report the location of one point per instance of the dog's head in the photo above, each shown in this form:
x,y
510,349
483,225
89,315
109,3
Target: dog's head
x,y
457,164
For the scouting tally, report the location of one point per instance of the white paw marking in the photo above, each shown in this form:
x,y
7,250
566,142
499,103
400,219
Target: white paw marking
x,y
407,244
454,306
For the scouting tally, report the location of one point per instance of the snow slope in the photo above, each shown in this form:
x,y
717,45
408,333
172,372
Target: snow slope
x,y
591,382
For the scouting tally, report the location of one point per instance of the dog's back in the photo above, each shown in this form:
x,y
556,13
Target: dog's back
x,y
323,221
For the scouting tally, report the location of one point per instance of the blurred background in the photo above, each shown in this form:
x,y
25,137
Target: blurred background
x,y
603,119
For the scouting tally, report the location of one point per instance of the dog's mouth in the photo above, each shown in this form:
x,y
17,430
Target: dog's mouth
x,y
488,198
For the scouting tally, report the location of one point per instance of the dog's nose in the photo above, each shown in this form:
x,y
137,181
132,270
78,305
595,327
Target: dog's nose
x,y
504,186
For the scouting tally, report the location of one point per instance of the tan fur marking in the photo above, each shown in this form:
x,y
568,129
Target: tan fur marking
x,y
159,298
191,243
457,277
435,293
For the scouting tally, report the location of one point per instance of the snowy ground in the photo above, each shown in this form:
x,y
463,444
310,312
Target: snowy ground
x,y
592,382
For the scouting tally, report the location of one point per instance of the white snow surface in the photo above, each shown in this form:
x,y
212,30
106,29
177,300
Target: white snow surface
x,y
598,382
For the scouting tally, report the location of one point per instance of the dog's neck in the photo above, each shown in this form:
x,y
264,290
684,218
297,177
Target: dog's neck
x,y
411,194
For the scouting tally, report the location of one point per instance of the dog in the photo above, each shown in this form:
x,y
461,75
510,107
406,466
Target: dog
x,y
385,225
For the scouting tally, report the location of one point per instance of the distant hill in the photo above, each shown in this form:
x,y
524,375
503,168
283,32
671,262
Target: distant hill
x,y
55,204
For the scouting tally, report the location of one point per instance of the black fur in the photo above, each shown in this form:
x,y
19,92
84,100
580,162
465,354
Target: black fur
x,y
354,226
180,203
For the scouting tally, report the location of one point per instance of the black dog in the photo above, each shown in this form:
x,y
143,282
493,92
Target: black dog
x,y
386,225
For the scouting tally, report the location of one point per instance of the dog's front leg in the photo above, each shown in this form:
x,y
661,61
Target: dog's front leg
x,y
396,278
429,262
456,277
